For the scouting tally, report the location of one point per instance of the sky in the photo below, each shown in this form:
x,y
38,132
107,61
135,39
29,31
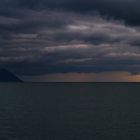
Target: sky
x,y
71,40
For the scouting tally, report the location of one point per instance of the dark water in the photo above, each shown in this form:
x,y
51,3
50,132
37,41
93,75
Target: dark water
x,y
70,111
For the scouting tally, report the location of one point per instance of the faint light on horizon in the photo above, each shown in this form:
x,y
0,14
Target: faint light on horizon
x,y
85,77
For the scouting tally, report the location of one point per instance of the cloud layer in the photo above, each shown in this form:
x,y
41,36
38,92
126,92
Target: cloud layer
x,y
39,37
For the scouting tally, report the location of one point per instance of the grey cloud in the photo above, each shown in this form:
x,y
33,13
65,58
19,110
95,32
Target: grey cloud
x,y
127,10
57,41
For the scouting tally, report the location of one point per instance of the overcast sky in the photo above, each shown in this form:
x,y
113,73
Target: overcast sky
x,y
64,38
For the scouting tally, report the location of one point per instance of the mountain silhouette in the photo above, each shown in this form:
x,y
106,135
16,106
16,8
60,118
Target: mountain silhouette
x,y
7,76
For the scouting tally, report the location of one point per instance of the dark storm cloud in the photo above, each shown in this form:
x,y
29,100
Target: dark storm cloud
x,y
39,36
127,10
51,41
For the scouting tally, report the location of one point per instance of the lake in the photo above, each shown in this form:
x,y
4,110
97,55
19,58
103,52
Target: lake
x,y
70,111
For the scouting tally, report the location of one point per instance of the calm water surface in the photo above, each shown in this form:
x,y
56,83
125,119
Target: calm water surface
x,y
70,111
